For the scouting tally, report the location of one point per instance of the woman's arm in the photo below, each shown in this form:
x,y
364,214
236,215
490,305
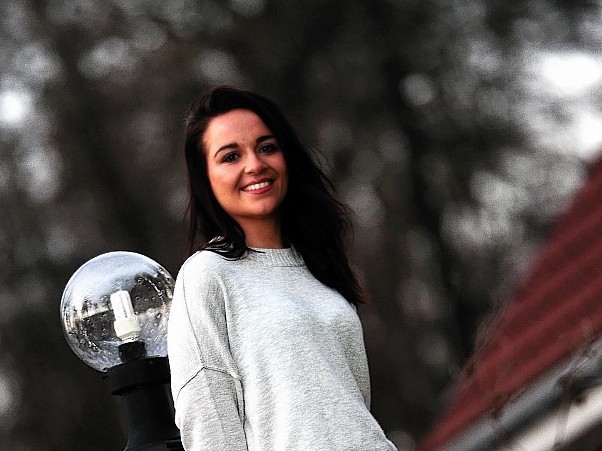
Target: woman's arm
x,y
206,386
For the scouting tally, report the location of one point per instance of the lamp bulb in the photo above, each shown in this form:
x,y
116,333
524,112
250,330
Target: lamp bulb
x,y
126,324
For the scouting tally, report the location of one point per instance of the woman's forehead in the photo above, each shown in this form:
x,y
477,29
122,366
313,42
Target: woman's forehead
x,y
235,126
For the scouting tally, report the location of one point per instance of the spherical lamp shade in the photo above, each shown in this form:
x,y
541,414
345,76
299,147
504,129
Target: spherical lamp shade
x,y
113,299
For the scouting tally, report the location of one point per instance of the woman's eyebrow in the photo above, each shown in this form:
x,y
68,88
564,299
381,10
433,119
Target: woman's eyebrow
x,y
264,138
225,147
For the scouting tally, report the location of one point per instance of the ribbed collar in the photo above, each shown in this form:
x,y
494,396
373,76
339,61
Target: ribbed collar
x,y
275,257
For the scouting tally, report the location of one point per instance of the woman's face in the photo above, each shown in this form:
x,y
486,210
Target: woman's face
x,y
245,166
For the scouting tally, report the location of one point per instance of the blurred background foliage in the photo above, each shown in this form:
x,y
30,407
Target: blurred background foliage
x,y
456,130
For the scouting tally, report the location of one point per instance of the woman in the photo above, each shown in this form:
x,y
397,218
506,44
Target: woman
x,y
265,346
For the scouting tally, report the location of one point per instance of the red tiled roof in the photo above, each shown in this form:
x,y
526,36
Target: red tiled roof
x,y
556,312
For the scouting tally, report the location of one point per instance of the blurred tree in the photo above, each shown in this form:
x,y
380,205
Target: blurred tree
x,y
455,130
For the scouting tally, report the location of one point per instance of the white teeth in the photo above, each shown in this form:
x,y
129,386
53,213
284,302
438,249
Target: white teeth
x,y
257,186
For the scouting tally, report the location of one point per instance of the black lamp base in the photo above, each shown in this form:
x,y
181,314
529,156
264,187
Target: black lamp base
x,y
141,386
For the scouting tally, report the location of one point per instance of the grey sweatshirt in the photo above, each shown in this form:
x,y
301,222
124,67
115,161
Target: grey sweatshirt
x,y
265,357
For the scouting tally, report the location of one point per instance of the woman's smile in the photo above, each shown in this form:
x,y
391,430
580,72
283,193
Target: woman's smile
x,y
258,187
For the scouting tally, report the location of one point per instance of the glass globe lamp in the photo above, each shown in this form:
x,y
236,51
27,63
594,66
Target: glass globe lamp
x,y
115,308
114,312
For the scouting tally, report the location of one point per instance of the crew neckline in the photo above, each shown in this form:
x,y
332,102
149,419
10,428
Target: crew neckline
x,y
287,256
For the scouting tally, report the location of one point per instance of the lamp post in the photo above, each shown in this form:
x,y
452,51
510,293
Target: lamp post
x,y
114,312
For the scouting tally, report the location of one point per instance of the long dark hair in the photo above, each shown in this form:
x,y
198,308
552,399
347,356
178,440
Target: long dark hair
x,y
311,217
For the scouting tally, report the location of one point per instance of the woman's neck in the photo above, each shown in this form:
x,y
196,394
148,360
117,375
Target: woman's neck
x,y
262,234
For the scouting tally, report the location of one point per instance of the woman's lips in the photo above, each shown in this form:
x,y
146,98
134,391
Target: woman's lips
x,y
258,187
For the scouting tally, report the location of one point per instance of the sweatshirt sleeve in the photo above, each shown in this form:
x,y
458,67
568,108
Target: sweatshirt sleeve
x,y
205,383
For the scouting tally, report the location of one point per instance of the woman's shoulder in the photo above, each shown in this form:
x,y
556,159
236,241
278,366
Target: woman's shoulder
x,y
207,262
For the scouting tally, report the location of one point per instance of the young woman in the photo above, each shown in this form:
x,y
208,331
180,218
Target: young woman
x,y
265,346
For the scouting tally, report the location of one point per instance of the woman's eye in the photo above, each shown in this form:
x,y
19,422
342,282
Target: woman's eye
x,y
268,148
231,157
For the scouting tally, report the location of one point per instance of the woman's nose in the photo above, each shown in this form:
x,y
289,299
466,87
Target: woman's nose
x,y
254,163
